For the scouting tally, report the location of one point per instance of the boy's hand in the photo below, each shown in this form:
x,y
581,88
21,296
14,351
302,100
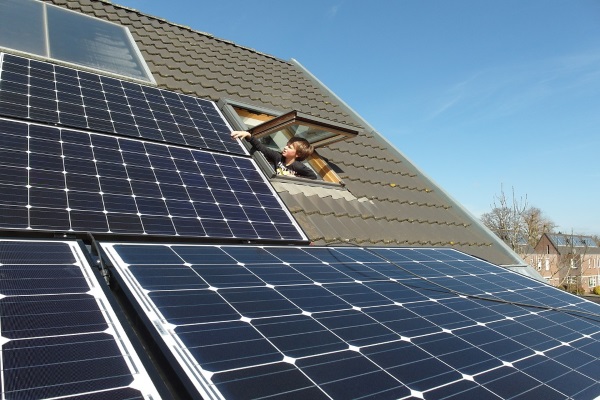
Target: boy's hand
x,y
240,135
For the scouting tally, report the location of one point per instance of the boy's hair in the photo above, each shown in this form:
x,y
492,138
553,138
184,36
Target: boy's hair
x,y
303,148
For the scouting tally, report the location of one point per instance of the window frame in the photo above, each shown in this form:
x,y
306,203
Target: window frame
x,y
322,167
280,122
592,282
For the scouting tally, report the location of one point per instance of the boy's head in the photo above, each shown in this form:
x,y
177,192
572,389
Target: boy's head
x,y
303,148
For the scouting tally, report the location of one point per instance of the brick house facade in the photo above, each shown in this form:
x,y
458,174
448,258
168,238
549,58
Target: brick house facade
x,y
567,261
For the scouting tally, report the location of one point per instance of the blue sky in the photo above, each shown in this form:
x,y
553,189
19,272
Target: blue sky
x,y
480,95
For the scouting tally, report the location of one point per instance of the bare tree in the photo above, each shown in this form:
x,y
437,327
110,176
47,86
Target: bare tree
x,y
536,224
506,219
517,224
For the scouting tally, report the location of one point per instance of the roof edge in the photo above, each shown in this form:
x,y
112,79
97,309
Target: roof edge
x,y
514,256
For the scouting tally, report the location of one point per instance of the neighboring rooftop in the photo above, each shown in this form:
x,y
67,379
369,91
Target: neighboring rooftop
x,y
561,239
566,243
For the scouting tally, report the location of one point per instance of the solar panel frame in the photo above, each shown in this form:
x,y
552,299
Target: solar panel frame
x,y
55,317
49,93
58,179
463,337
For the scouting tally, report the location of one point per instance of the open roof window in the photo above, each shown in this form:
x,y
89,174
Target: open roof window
x,y
49,31
317,131
275,130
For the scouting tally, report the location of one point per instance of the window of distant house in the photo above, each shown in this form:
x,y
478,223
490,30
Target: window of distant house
x,y
547,265
45,30
274,131
592,281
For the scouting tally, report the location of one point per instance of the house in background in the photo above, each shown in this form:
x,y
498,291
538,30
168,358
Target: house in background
x,y
568,261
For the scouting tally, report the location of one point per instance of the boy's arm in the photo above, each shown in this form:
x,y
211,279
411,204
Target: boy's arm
x,y
270,154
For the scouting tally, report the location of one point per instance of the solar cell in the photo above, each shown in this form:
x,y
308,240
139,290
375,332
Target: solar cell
x,y
259,321
60,338
57,179
49,93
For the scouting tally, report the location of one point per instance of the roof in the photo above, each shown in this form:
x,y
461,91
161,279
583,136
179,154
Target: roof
x,y
386,199
560,239
232,316
573,243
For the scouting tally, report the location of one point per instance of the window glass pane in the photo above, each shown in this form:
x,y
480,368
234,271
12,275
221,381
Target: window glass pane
x,y
22,26
276,141
310,133
92,42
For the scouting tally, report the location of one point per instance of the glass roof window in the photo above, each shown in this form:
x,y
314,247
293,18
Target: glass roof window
x,y
274,130
317,131
45,30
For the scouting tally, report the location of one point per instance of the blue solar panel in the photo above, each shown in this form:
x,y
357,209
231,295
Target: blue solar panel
x,y
44,92
66,180
311,322
59,336
572,240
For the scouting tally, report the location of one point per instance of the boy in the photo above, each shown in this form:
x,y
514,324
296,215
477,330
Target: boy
x,y
288,162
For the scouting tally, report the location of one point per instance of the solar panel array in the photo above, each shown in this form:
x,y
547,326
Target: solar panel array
x,y
44,92
338,323
67,180
61,179
572,240
81,152
59,336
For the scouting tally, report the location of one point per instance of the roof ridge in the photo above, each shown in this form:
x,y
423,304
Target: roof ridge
x,y
190,29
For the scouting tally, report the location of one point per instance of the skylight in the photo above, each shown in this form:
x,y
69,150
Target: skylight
x,y
36,28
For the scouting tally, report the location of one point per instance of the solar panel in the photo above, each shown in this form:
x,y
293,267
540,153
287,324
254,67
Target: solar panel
x,y
57,179
60,338
337,323
571,240
49,93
